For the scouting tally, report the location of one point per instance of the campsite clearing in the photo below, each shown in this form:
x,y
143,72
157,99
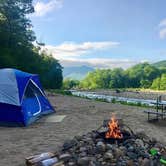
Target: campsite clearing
x,y
79,117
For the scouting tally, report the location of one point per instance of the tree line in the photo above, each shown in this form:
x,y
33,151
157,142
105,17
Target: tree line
x,y
16,44
142,75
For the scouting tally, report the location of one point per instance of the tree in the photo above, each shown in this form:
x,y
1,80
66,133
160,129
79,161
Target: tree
x,y
156,83
16,35
16,48
69,83
145,83
117,78
16,28
163,82
139,76
142,75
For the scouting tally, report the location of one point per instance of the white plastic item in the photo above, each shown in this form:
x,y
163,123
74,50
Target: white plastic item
x,y
38,158
49,162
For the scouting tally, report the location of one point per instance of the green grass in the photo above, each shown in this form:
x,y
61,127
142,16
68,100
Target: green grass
x,y
102,100
60,91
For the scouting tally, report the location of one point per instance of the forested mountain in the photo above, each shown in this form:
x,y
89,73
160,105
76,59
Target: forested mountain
x,y
76,72
141,75
16,48
160,64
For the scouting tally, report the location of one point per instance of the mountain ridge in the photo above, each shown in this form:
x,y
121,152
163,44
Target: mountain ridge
x,y
160,64
76,72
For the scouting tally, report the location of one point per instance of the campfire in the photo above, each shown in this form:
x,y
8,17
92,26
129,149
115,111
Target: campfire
x,y
113,129
112,144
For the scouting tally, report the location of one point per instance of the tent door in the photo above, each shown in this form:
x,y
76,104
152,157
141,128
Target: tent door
x,y
37,111
31,103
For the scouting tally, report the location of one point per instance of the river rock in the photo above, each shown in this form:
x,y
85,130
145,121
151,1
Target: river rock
x,y
130,163
145,162
130,149
117,153
101,146
139,142
83,149
83,154
132,155
108,156
84,161
71,164
108,147
61,163
65,157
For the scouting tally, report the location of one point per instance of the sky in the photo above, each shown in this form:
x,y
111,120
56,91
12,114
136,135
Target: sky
x,y
102,33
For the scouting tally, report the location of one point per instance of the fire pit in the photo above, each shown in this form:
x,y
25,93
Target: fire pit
x,y
112,144
114,133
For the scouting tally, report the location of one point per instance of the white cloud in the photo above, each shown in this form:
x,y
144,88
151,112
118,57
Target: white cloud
x,y
162,31
100,63
162,23
41,8
69,54
71,49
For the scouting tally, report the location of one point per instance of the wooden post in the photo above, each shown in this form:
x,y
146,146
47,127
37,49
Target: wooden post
x,y
157,107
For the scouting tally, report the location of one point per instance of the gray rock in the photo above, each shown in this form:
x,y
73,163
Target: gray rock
x,y
83,154
88,140
130,163
100,159
78,138
159,146
103,163
71,164
98,156
101,146
123,148
139,142
108,156
145,162
59,164
130,149
83,149
92,163
108,147
69,144
65,157
84,161
132,155
117,153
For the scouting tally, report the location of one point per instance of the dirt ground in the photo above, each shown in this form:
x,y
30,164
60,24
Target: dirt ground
x,y
82,115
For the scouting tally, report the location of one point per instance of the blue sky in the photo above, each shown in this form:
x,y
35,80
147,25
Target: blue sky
x,y
102,33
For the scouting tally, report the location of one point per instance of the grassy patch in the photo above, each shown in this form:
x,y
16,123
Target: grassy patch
x,y
102,100
60,91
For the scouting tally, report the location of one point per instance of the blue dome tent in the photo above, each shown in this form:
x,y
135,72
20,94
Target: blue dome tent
x,y
22,99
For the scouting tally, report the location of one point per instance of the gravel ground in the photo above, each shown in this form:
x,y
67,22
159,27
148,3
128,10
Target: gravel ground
x,y
82,115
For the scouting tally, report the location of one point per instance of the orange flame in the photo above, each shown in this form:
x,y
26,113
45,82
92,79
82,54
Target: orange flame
x,y
113,129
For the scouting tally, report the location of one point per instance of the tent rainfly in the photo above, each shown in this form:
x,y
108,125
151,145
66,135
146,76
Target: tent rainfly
x,y
22,99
